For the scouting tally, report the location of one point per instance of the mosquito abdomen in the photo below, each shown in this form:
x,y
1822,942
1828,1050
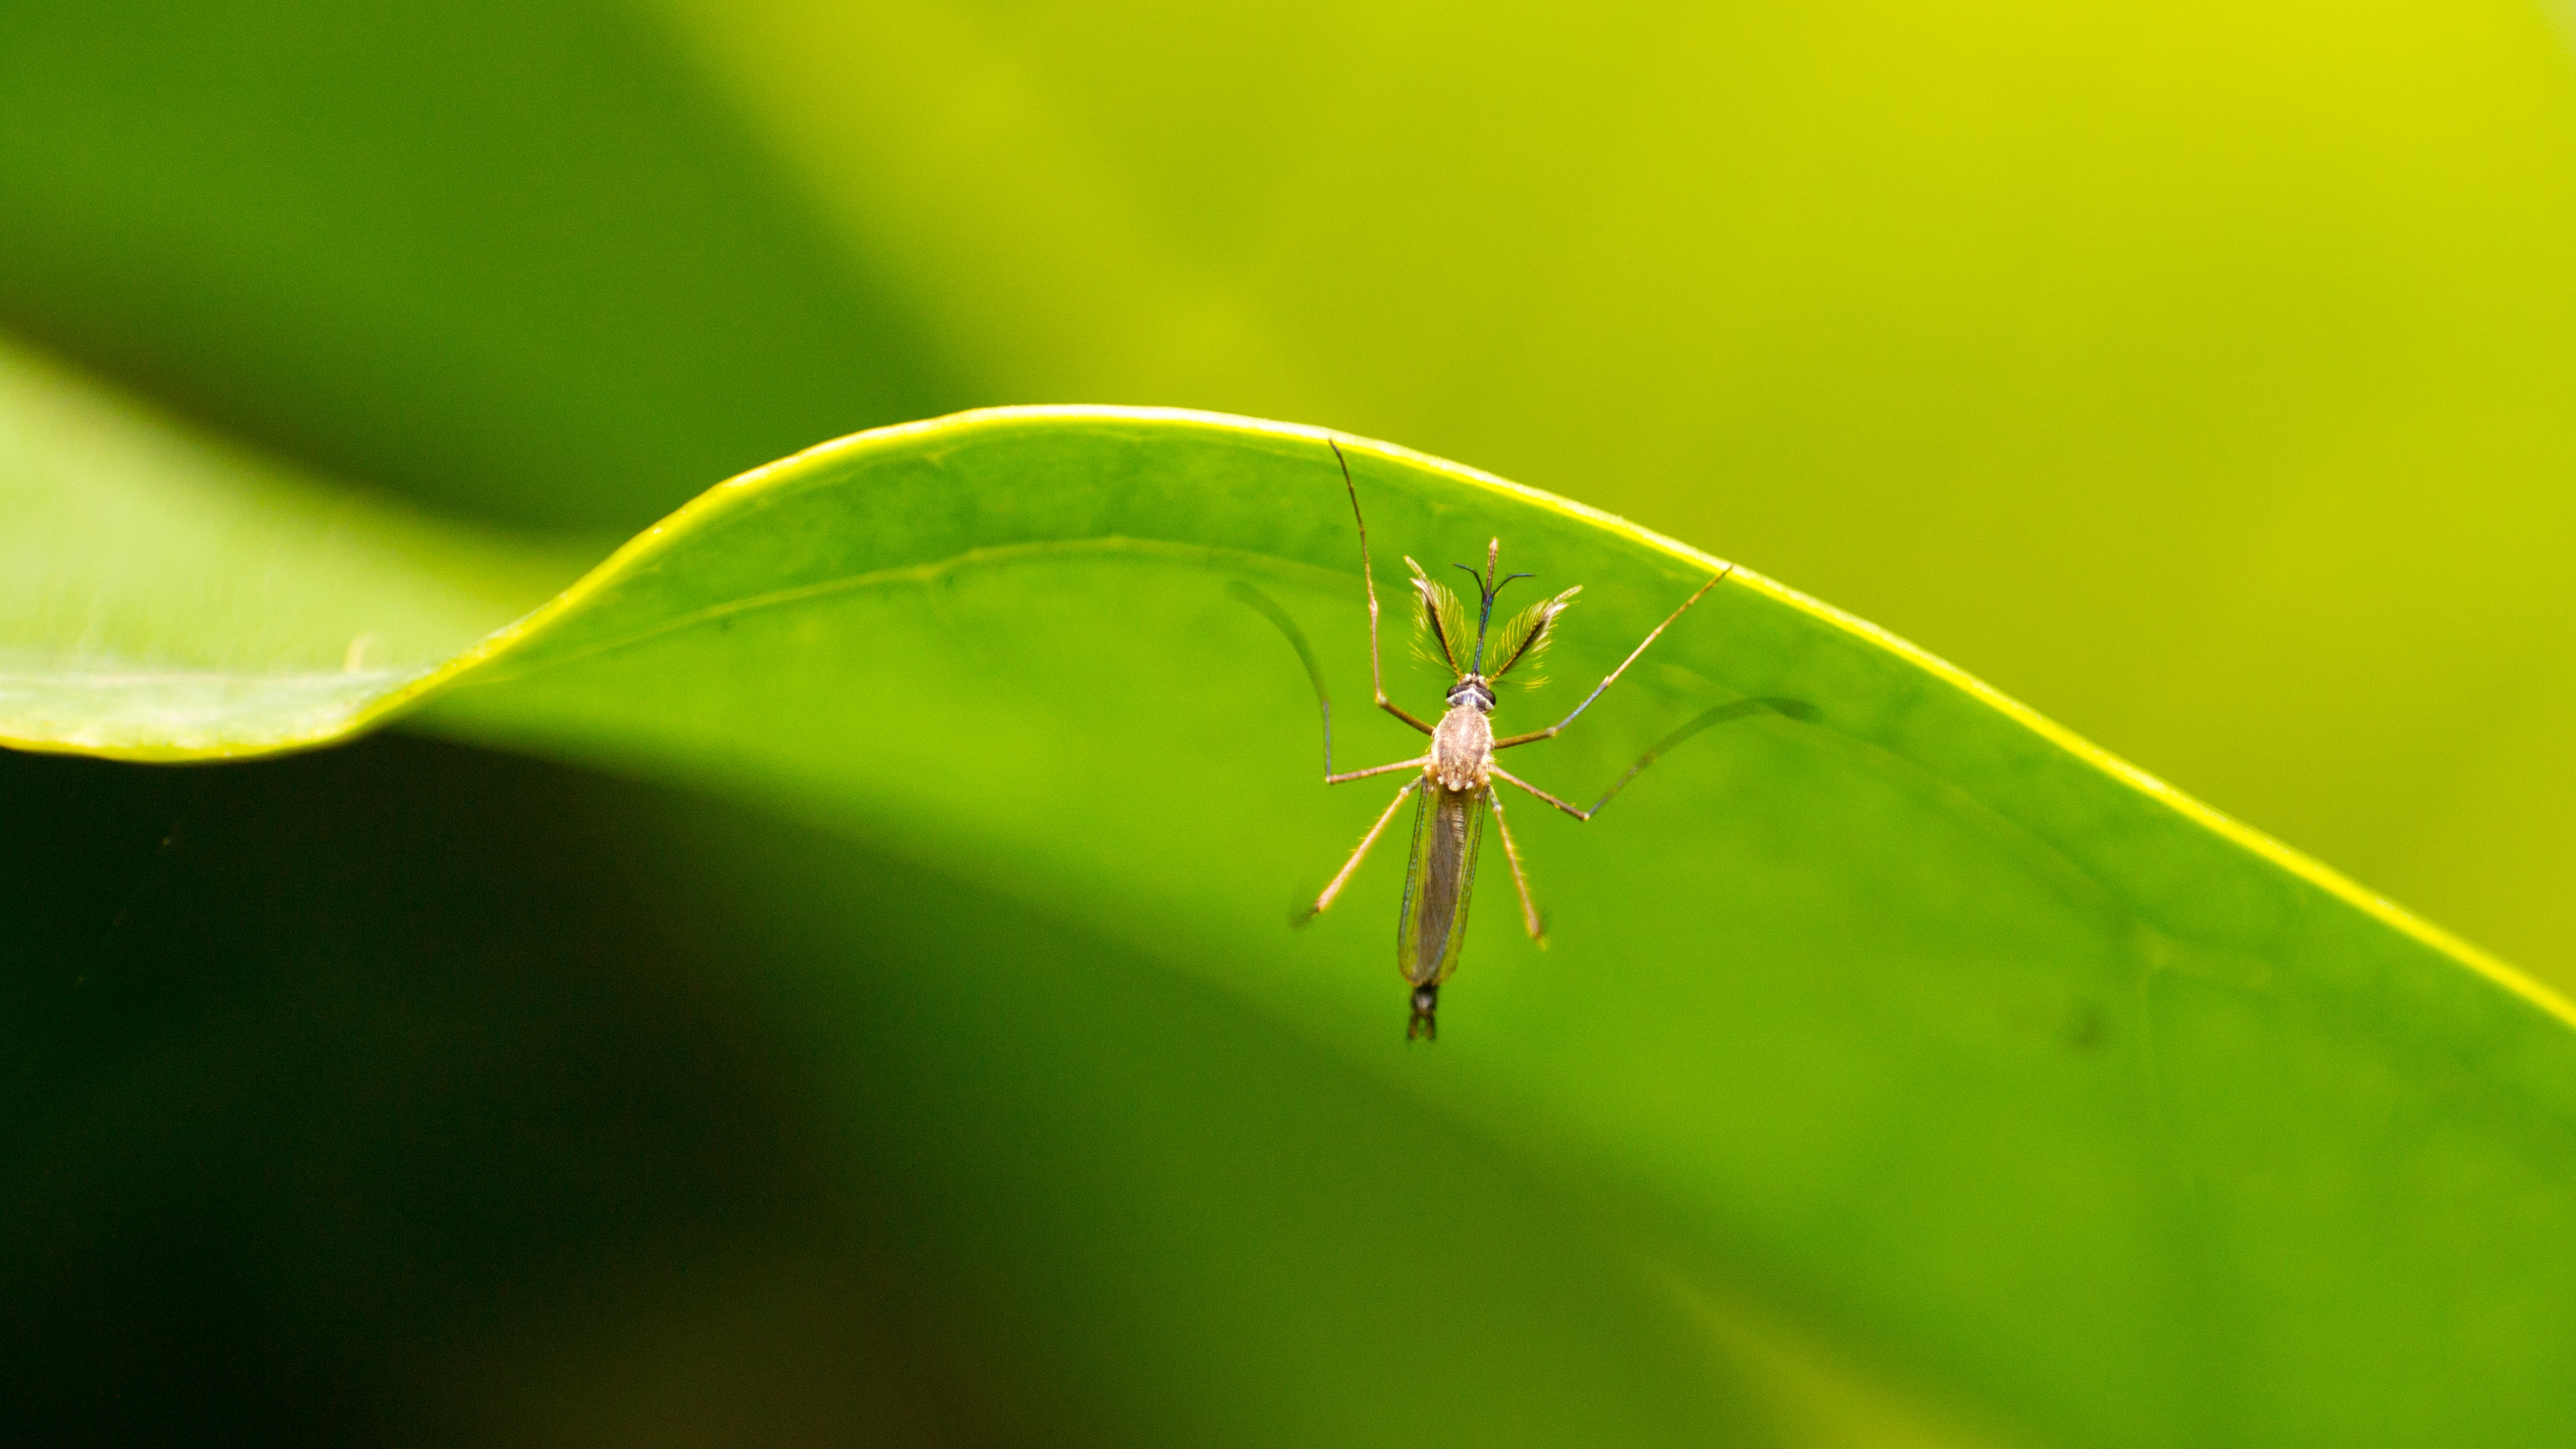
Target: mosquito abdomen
x,y
1446,828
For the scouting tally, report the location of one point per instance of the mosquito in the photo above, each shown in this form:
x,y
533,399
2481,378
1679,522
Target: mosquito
x,y
1453,785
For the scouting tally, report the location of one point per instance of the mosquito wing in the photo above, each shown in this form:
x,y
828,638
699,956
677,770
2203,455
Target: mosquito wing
x,y
1439,880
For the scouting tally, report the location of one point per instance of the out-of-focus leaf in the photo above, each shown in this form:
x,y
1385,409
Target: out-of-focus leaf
x,y
179,597
1924,1023
429,1095
504,257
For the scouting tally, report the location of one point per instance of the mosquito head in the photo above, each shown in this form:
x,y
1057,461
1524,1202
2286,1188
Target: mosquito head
x,y
1488,586
1426,1001
1472,690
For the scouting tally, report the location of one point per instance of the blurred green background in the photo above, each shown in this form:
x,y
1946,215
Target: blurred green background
x,y
2199,375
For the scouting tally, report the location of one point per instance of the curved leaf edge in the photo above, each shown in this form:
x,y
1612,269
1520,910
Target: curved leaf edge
x,y
404,694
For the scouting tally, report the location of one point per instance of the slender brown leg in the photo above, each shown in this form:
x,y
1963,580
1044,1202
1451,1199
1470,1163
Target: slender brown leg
x,y
1353,864
1789,708
1368,580
1350,775
1512,852
1577,811
1553,730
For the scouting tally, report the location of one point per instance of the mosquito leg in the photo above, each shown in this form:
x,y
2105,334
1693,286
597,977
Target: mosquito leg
x,y
1552,730
1794,709
1353,864
1577,811
1368,580
1512,852
1350,775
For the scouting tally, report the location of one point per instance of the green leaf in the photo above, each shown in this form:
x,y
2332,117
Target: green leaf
x,y
576,1111
171,598
1940,1035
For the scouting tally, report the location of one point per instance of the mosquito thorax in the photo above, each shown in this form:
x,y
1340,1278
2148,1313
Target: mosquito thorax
x,y
1462,744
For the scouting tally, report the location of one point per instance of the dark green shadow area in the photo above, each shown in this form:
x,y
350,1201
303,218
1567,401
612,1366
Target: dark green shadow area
x,y
406,1092
500,258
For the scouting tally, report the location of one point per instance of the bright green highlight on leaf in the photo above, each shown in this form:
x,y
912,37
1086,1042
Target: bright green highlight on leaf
x,y
1923,1024
170,598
